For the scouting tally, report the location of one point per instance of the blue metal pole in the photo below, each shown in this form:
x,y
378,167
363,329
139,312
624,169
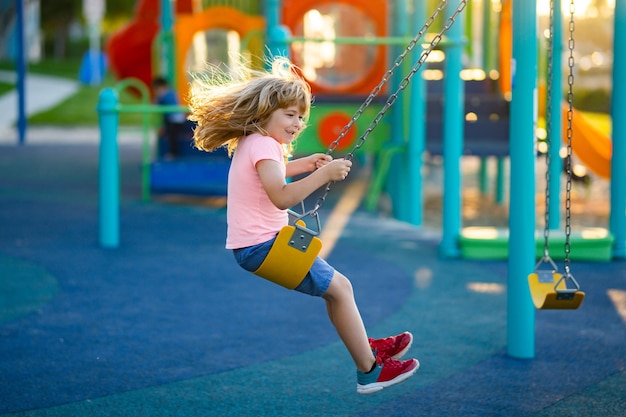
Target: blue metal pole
x,y
617,217
21,74
417,128
453,129
520,310
556,116
109,170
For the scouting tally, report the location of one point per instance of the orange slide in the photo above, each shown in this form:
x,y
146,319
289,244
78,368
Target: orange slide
x,y
592,146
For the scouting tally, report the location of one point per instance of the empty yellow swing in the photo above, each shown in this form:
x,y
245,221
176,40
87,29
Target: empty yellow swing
x,y
548,288
296,246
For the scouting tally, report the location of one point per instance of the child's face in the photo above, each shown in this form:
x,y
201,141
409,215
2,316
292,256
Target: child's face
x,y
159,90
285,124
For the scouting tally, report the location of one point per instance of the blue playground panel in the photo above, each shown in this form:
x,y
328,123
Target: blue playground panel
x,y
486,128
193,172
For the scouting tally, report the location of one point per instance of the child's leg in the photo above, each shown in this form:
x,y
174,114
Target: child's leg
x,y
344,314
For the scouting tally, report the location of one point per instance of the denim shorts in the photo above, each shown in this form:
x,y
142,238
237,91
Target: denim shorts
x,y
315,282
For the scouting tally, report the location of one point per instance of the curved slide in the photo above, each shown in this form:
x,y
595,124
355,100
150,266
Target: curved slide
x,y
592,146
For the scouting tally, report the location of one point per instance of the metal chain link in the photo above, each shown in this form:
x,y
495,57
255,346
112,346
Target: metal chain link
x,y
376,90
546,230
393,97
570,114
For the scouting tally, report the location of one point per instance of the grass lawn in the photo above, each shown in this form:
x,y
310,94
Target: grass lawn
x,y
5,87
66,69
80,109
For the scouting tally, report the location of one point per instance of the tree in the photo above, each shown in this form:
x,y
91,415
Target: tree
x,y
58,16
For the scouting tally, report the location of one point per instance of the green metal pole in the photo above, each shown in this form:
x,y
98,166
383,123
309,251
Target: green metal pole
x,y
483,176
520,310
500,177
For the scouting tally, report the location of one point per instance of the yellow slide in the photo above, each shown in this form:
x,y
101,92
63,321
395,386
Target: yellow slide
x,y
592,146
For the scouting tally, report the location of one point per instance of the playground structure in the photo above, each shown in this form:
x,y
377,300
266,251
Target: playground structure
x,y
398,144
361,53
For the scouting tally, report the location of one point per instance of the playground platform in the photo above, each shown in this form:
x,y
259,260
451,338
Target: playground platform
x,y
168,325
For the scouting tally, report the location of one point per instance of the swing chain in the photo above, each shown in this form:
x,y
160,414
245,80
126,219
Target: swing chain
x,y
386,77
570,114
404,83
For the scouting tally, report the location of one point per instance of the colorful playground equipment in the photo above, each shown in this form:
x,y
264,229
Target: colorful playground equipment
x,y
360,49
432,116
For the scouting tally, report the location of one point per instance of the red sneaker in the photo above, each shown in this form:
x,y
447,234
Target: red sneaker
x,y
386,373
394,347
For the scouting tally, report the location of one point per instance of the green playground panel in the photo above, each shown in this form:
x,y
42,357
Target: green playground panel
x,y
309,141
490,243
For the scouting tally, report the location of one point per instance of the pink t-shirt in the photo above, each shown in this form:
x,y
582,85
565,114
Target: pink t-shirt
x,y
252,217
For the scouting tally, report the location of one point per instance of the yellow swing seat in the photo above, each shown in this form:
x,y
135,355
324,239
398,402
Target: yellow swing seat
x,y
549,291
291,256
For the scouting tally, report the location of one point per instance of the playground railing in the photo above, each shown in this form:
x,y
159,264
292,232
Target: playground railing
x,y
109,109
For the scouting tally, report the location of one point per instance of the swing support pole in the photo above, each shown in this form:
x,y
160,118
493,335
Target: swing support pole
x,y
520,310
617,218
556,119
417,130
454,98
397,178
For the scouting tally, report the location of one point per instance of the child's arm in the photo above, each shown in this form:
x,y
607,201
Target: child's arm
x,y
285,195
307,164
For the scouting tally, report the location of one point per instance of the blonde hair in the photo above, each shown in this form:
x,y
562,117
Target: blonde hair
x,y
227,109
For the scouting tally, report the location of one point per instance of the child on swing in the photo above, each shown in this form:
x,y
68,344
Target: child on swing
x,y
257,118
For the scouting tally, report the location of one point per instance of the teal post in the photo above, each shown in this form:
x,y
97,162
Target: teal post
x,y
417,127
556,120
109,176
500,177
486,64
520,310
167,56
453,124
483,176
397,183
487,43
617,217
277,34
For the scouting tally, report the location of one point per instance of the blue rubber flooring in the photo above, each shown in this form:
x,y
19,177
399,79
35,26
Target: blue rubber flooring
x,y
168,325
